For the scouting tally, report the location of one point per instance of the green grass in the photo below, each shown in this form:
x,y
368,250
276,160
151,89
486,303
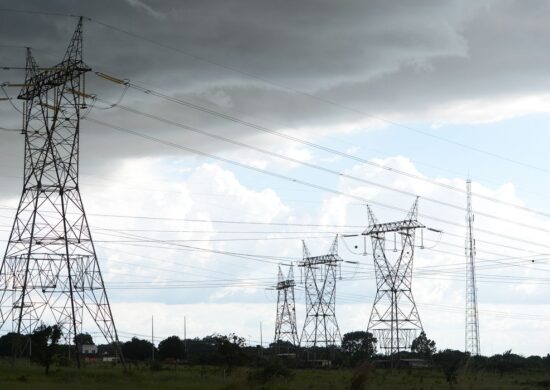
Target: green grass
x,y
99,377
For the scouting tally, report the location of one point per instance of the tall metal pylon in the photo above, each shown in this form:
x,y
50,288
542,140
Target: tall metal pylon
x,y
50,271
320,325
472,317
285,323
394,320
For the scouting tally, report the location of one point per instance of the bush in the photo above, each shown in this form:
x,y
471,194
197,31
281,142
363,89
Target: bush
x,y
450,361
155,366
271,369
361,376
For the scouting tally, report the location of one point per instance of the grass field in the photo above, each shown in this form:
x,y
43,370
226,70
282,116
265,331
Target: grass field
x,y
26,376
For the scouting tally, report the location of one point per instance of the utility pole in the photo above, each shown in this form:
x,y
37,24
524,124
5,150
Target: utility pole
x,y
394,319
153,336
320,326
185,335
472,317
50,264
285,321
261,339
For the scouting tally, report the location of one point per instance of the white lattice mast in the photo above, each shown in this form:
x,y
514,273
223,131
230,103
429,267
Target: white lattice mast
x,y
472,316
50,271
394,319
285,323
320,325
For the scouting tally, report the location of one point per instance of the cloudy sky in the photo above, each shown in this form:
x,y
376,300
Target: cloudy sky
x,y
437,91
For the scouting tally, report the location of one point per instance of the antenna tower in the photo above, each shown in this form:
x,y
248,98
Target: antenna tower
x,y
394,320
320,326
285,323
472,317
50,270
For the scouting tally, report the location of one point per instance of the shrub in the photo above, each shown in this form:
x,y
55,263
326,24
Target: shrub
x,y
271,369
361,376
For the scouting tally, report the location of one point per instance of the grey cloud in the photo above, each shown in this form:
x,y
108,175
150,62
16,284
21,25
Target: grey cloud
x,y
381,57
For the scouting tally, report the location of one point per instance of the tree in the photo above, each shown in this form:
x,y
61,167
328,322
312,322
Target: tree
x,y
359,345
230,348
172,348
83,339
203,351
45,346
506,362
7,343
450,362
423,345
137,349
281,346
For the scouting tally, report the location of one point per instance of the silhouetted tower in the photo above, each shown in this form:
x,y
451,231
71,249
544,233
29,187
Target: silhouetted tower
x,y
285,323
394,319
50,272
472,317
320,325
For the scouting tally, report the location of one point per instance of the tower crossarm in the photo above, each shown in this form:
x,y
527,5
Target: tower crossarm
x,y
381,228
52,78
285,284
330,260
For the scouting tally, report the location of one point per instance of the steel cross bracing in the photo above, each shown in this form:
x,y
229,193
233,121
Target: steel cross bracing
x,y
394,320
285,323
472,317
50,272
320,325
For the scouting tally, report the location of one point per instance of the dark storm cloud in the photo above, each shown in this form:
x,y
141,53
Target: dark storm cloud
x,y
381,57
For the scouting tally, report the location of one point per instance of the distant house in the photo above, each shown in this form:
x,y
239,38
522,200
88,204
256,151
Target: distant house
x,y
286,355
415,363
320,363
88,349
412,363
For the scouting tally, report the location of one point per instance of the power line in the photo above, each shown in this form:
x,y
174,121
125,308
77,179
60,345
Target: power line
x,y
231,118
502,264
327,170
317,167
294,180
44,13
231,222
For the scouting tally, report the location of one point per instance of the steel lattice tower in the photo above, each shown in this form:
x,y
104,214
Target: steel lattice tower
x,y
285,323
320,326
394,319
472,317
50,270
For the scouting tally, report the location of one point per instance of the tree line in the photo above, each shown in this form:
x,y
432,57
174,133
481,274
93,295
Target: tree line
x,y
43,346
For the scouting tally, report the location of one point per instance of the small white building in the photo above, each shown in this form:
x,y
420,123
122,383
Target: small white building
x,y
88,349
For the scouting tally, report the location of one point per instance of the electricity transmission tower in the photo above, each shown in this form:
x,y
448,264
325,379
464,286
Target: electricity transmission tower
x,y
472,318
320,326
285,323
394,319
50,270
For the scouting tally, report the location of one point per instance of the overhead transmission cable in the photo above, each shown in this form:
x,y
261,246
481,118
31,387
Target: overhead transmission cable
x,y
140,239
317,167
295,180
128,84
